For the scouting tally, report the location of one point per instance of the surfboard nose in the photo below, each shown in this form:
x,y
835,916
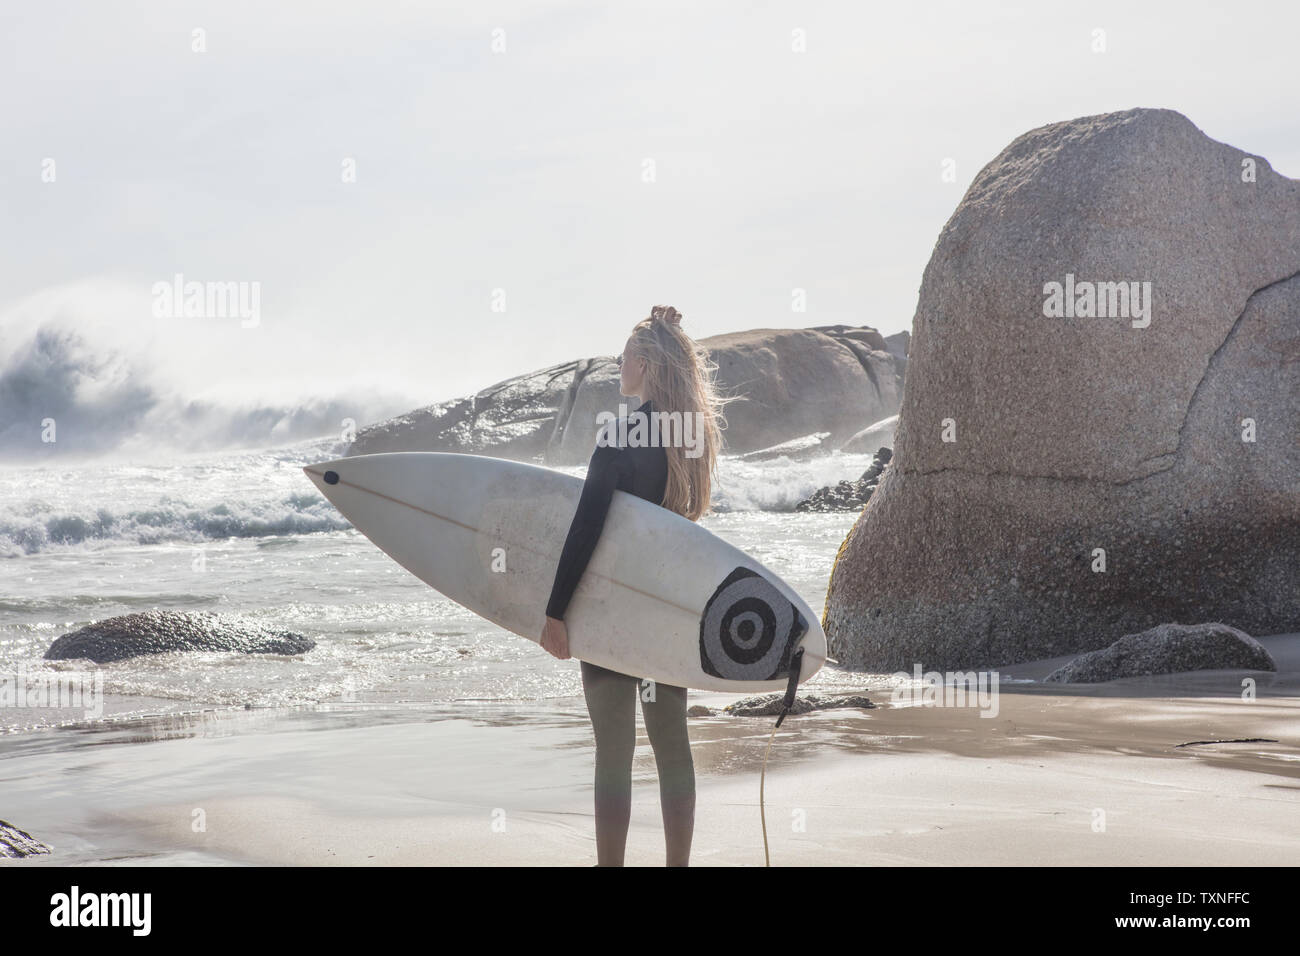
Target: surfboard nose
x,y
323,473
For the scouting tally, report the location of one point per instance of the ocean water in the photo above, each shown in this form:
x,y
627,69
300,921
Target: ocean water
x,y
246,533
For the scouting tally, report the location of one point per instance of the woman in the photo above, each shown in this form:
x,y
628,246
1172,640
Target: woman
x,y
665,371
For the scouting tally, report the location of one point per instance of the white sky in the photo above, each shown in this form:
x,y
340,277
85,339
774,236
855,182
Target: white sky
x,y
523,170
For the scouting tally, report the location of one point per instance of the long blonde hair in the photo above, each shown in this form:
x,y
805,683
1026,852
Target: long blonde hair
x,y
679,377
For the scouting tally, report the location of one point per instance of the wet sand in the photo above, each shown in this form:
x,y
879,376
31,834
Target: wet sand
x,y
1062,774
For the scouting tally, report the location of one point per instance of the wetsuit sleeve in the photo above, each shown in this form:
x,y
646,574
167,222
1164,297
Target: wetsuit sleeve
x,y
607,465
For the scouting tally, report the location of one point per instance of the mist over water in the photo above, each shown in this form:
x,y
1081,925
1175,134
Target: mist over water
x,y
101,400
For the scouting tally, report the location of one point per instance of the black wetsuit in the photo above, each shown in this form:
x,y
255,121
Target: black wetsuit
x,y
611,696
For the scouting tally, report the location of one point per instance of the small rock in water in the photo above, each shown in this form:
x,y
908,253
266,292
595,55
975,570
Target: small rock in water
x,y
849,495
156,632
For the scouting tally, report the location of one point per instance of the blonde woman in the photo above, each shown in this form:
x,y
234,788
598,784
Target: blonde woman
x,y
665,371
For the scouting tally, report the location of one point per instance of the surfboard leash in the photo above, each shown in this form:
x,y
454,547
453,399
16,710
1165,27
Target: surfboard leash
x,y
796,663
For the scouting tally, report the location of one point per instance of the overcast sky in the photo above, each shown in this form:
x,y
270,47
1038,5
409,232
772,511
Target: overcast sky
x,y
524,169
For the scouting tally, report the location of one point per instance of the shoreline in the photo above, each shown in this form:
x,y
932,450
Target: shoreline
x,y
356,784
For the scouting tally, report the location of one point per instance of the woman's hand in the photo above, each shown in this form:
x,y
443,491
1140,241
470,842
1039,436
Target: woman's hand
x,y
555,638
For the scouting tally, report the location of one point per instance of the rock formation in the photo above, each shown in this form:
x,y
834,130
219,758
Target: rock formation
x,y
1101,428
791,382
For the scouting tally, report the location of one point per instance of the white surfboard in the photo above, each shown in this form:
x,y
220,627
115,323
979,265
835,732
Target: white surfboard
x,y
662,598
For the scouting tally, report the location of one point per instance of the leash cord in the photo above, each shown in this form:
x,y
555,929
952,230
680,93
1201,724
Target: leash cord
x,y
762,812
791,688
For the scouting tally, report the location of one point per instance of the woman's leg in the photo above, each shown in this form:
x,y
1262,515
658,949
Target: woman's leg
x,y
611,702
664,709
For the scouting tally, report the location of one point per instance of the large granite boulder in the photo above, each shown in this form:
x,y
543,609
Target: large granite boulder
x,y
790,382
1061,480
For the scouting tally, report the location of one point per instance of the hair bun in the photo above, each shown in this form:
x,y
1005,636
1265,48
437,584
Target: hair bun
x,y
666,313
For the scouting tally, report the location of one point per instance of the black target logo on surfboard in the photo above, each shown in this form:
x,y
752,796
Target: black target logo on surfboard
x,y
749,629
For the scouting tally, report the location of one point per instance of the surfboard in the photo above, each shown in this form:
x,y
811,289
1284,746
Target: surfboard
x,y
662,598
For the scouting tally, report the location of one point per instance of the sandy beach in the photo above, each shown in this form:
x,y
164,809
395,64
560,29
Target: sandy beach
x,y
361,363
1075,774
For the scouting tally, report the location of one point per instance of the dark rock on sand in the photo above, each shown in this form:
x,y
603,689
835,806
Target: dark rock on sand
x,y
1169,649
16,844
699,710
769,705
849,495
792,382
157,632
1062,481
